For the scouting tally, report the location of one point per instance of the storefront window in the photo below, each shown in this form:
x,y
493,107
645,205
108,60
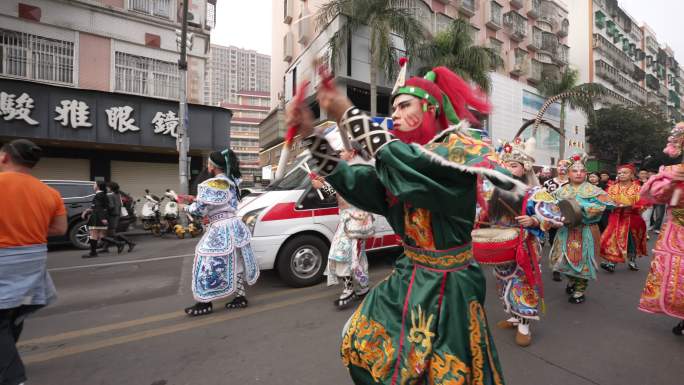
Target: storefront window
x,y
36,57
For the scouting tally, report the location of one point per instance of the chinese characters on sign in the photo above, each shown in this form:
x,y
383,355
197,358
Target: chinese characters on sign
x,y
19,108
73,113
119,119
166,123
76,113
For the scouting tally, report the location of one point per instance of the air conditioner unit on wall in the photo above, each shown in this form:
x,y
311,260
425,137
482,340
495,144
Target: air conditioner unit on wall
x,y
194,18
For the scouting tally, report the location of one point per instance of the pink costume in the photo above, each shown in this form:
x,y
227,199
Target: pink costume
x,y
664,290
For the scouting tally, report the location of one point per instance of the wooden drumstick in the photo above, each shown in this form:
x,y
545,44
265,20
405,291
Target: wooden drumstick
x,y
509,208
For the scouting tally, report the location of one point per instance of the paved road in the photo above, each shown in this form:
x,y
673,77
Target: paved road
x,y
118,321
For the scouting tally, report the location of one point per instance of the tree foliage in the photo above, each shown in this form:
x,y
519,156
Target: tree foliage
x,y
383,19
454,49
622,134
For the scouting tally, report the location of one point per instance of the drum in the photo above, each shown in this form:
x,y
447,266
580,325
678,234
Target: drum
x,y
572,212
495,246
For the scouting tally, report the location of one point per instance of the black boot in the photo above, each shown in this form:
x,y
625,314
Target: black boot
x,y
556,276
678,330
93,250
127,241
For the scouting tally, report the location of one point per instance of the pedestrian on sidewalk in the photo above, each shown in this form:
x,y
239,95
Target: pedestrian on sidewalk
x,y
97,217
113,218
347,260
663,290
224,260
31,211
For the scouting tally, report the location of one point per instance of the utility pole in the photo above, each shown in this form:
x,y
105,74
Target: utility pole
x,y
183,141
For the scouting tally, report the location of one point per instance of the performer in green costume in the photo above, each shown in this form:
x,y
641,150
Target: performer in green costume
x,y
425,323
575,249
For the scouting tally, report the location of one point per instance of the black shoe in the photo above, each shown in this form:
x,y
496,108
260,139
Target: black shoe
x,y
131,245
200,308
343,301
576,300
607,266
237,303
556,276
120,247
570,289
633,266
678,330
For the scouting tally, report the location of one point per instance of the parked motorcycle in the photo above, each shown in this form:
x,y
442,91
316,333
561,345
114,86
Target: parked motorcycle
x,y
150,218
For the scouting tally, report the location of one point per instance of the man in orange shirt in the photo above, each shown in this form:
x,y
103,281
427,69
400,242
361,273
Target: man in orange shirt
x,y
31,211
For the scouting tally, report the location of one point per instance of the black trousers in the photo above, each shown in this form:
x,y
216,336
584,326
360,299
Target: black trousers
x,y
12,370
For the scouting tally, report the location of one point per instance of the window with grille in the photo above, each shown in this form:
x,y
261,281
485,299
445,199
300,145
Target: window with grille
x,y
145,76
159,8
36,57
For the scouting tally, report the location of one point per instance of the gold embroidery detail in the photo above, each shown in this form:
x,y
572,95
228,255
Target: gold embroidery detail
x,y
218,184
444,261
420,338
677,216
478,338
367,345
418,226
449,370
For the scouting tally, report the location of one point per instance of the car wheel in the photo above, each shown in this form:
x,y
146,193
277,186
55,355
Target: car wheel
x,y
302,260
78,235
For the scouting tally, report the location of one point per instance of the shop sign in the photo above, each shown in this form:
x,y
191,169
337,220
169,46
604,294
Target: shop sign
x,y
17,108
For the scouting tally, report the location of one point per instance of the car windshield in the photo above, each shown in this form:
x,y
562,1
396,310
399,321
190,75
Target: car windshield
x,y
296,179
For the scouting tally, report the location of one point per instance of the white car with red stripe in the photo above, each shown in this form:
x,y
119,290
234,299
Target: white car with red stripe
x,y
292,227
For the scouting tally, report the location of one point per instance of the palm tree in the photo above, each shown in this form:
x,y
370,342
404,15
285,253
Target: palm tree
x,y
564,88
454,49
383,18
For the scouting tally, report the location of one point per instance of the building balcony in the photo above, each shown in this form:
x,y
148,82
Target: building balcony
x,y
495,20
535,42
272,129
536,69
549,13
607,72
534,8
468,7
517,4
516,26
600,19
519,62
674,99
621,60
638,74
638,93
549,42
663,91
564,28
562,54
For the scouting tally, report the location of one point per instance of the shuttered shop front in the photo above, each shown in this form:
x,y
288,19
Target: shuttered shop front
x,y
62,168
135,177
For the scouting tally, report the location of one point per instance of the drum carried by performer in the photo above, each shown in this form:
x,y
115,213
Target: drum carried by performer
x,y
511,243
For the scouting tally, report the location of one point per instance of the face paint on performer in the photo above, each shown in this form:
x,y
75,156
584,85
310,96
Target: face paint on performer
x,y
577,173
563,167
413,119
516,169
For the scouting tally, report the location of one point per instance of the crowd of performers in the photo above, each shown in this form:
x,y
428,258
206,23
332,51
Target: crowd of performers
x,y
457,203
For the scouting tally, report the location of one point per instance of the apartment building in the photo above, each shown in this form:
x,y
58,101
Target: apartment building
x,y
531,37
95,83
232,70
612,48
249,111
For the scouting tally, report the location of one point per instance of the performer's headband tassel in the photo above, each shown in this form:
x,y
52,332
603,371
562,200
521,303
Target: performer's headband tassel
x,y
401,79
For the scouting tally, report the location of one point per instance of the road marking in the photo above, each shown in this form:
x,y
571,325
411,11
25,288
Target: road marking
x,y
139,322
193,324
79,267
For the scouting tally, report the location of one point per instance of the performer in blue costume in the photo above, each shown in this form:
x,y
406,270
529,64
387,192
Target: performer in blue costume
x,y
224,259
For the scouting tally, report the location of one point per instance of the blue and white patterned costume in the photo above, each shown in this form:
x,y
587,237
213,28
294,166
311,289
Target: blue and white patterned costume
x,y
224,251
